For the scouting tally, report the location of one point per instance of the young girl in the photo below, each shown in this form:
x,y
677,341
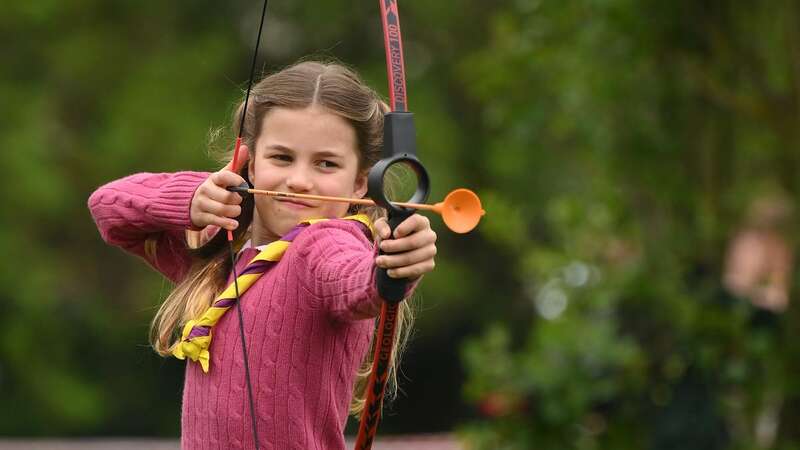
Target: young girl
x,y
308,319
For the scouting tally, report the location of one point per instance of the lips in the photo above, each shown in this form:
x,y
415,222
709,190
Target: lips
x,y
295,203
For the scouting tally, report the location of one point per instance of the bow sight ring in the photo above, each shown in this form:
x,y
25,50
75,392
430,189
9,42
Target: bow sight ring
x,y
399,147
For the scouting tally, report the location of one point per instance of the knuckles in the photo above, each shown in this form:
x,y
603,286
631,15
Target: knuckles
x,y
425,221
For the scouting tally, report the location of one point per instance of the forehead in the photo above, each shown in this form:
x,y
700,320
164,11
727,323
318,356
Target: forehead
x,y
311,129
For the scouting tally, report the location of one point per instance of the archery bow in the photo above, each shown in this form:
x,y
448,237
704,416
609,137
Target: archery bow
x,y
399,146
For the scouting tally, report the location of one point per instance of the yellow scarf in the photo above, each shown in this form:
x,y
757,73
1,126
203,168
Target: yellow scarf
x,y
196,337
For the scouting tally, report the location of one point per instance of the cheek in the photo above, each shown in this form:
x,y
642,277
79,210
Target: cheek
x,y
345,184
262,205
263,178
336,209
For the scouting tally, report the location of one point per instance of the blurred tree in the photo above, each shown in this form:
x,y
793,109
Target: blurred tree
x,y
627,140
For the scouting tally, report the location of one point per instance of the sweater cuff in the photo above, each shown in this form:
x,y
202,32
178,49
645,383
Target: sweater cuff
x,y
171,206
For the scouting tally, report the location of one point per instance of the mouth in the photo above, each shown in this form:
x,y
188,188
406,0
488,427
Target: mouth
x,y
295,204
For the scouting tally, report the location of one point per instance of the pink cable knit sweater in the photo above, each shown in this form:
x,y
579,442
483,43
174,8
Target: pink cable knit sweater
x,y
307,322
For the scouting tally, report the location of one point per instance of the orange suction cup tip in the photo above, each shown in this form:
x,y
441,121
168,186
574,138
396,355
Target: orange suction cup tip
x,y
461,210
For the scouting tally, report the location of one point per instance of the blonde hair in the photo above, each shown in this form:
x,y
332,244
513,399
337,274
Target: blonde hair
x,y
342,92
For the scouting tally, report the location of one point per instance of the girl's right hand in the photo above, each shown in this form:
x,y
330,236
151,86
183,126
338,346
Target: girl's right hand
x,y
213,204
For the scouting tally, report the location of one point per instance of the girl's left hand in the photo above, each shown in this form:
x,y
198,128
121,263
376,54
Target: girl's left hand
x,y
412,248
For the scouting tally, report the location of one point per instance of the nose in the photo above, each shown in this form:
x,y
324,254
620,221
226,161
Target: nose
x,y
299,180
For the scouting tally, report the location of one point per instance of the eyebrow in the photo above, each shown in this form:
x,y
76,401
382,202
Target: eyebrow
x,y
322,153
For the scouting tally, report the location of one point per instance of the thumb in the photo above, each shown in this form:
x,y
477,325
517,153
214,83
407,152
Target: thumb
x,y
243,156
382,228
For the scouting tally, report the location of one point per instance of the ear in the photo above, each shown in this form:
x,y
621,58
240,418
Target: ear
x,y
360,187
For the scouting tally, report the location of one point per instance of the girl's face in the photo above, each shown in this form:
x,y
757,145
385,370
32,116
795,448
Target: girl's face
x,y
305,151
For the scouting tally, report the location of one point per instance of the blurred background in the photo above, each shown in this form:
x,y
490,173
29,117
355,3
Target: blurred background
x,y
631,287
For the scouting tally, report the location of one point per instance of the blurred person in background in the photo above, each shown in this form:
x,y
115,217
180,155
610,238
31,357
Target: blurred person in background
x,y
758,269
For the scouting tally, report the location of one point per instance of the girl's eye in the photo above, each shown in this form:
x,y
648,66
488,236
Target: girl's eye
x,y
328,164
282,158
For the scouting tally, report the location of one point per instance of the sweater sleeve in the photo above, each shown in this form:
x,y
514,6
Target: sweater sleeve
x,y
334,262
149,206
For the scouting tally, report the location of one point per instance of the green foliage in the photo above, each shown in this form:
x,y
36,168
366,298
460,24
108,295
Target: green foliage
x,y
627,140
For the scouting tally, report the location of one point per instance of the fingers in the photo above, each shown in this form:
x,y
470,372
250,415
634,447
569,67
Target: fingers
x,y
412,271
226,178
214,189
410,254
407,259
414,232
414,223
213,204
212,219
417,240
206,211
210,206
